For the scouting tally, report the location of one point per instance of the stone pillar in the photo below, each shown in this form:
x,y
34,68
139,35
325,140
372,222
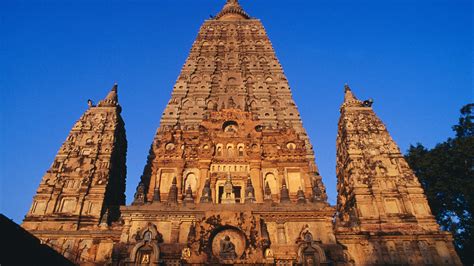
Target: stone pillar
x,y
203,175
179,184
125,236
154,183
214,190
255,176
281,234
308,184
175,226
53,203
280,178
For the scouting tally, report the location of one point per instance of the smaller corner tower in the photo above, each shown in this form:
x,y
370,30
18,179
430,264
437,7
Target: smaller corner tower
x,y
85,185
383,216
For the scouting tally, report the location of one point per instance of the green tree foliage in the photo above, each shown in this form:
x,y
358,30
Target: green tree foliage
x,y
447,175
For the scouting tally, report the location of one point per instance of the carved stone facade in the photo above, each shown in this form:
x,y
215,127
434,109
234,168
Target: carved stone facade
x,y
383,216
231,175
80,195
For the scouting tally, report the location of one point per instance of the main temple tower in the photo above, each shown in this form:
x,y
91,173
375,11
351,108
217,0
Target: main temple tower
x,y
231,176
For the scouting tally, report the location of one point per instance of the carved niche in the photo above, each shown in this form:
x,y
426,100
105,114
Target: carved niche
x,y
309,251
146,250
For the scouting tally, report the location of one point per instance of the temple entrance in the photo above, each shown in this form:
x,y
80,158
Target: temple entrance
x,y
310,257
144,255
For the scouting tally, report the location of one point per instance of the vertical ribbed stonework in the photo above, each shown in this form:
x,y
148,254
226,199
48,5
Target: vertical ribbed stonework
x,y
85,185
383,216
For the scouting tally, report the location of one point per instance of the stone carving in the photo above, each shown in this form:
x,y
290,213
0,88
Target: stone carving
x,y
140,194
317,193
227,249
301,197
189,195
186,254
284,194
249,192
104,221
206,192
267,193
228,197
173,192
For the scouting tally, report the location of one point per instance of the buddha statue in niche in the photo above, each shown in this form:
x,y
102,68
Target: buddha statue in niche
x,y
227,249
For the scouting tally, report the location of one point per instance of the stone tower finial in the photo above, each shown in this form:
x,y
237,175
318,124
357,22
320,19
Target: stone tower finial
x,y
111,100
284,193
139,197
349,98
346,87
249,191
189,198
267,193
228,196
300,196
173,192
232,11
206,192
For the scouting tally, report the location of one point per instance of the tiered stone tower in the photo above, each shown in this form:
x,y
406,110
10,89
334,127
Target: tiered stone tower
x,y
383,216
231,175
230,105
231,160
85,185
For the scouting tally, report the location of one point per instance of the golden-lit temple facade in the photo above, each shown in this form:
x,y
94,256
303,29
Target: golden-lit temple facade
x,y
231,176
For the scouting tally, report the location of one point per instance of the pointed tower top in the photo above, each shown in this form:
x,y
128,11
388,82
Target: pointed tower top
x,y
232,11
249,182
111,100
350,100
346,87
284,193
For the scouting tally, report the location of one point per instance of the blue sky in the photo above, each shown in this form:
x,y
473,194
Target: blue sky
x,y
414,58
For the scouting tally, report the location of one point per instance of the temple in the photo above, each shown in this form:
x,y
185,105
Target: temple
x,y
231,176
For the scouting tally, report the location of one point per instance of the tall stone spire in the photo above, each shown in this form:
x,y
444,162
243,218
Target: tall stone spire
x,y
370,161
232,11
86,181
378,192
